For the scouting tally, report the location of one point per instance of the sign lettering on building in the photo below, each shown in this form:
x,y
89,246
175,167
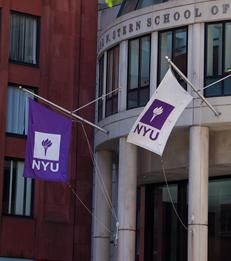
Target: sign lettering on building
x,y
162,19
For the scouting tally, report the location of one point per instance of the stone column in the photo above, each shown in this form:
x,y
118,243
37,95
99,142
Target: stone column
x,y
127,200
101,236
198,194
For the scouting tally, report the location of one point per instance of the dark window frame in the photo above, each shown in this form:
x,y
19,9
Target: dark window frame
x,y
31,216
38,19
173,30
139,88
223,58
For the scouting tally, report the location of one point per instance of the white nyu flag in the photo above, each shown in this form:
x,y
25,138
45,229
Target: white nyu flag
x,y
154,125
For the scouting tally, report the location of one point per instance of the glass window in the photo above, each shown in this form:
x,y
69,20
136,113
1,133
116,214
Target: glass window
x,y
218,58
112,81
17,111
127,6
17,190
100,90
23,38
131,5
219,208
165,237
144,3
173,43
138,72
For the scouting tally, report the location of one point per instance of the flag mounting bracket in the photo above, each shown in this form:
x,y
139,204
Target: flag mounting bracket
x,y
216,113
69,113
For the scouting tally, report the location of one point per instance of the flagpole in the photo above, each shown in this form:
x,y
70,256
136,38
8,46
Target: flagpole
x,y
64,110
192,86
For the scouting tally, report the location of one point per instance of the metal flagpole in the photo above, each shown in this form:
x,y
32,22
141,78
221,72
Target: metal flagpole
x,y
64,110
192,86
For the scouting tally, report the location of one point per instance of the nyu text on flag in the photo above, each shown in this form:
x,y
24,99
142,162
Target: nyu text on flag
x,y
47,144
154,125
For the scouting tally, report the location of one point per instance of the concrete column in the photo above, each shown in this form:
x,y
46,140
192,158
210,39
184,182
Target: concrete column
x,y
127,200
154,62
101,236
198,194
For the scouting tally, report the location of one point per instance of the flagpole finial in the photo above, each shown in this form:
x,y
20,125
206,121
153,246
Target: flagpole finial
x,y
166,57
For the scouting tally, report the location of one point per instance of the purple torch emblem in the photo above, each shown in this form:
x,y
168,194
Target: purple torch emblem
x,y
46,144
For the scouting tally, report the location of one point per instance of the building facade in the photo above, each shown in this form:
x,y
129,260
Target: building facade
x,y
45,46
133,40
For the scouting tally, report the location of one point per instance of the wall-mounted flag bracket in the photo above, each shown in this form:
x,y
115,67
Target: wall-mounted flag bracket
x,y
216,113
69,113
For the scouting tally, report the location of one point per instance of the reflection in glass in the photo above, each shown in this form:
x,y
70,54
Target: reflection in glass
x,y
138,72
173,44
100,88
112,80
165,238
218,58
219,208
144,3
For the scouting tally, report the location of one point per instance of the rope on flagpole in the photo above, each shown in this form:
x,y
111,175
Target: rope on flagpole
x,y
98,172
170,196
88,210
216,113
69,113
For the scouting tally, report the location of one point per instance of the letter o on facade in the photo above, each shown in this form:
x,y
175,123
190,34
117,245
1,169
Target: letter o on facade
x,y
187,14
176,16
214,10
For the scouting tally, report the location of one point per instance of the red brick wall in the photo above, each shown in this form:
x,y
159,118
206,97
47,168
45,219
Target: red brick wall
x,y
61,228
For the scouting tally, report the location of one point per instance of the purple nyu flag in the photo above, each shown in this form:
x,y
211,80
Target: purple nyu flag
x,y
47,144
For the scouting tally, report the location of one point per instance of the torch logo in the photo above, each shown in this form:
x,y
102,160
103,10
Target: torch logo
x,y
46,144
157,114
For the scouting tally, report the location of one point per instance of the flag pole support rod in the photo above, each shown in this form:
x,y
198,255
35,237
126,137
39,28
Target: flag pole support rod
x,y
216,113
64,110
99,98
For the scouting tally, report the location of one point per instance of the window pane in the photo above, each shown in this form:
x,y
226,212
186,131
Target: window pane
x,y
17,111
132,99
227,86
215,90
139,72
144,3
180,50
112,80
218,47
133,64
145,61
100,91
227,46
17,190
214,50
116,69
23,38
127,6
110,71
219,219
165,49
144,96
